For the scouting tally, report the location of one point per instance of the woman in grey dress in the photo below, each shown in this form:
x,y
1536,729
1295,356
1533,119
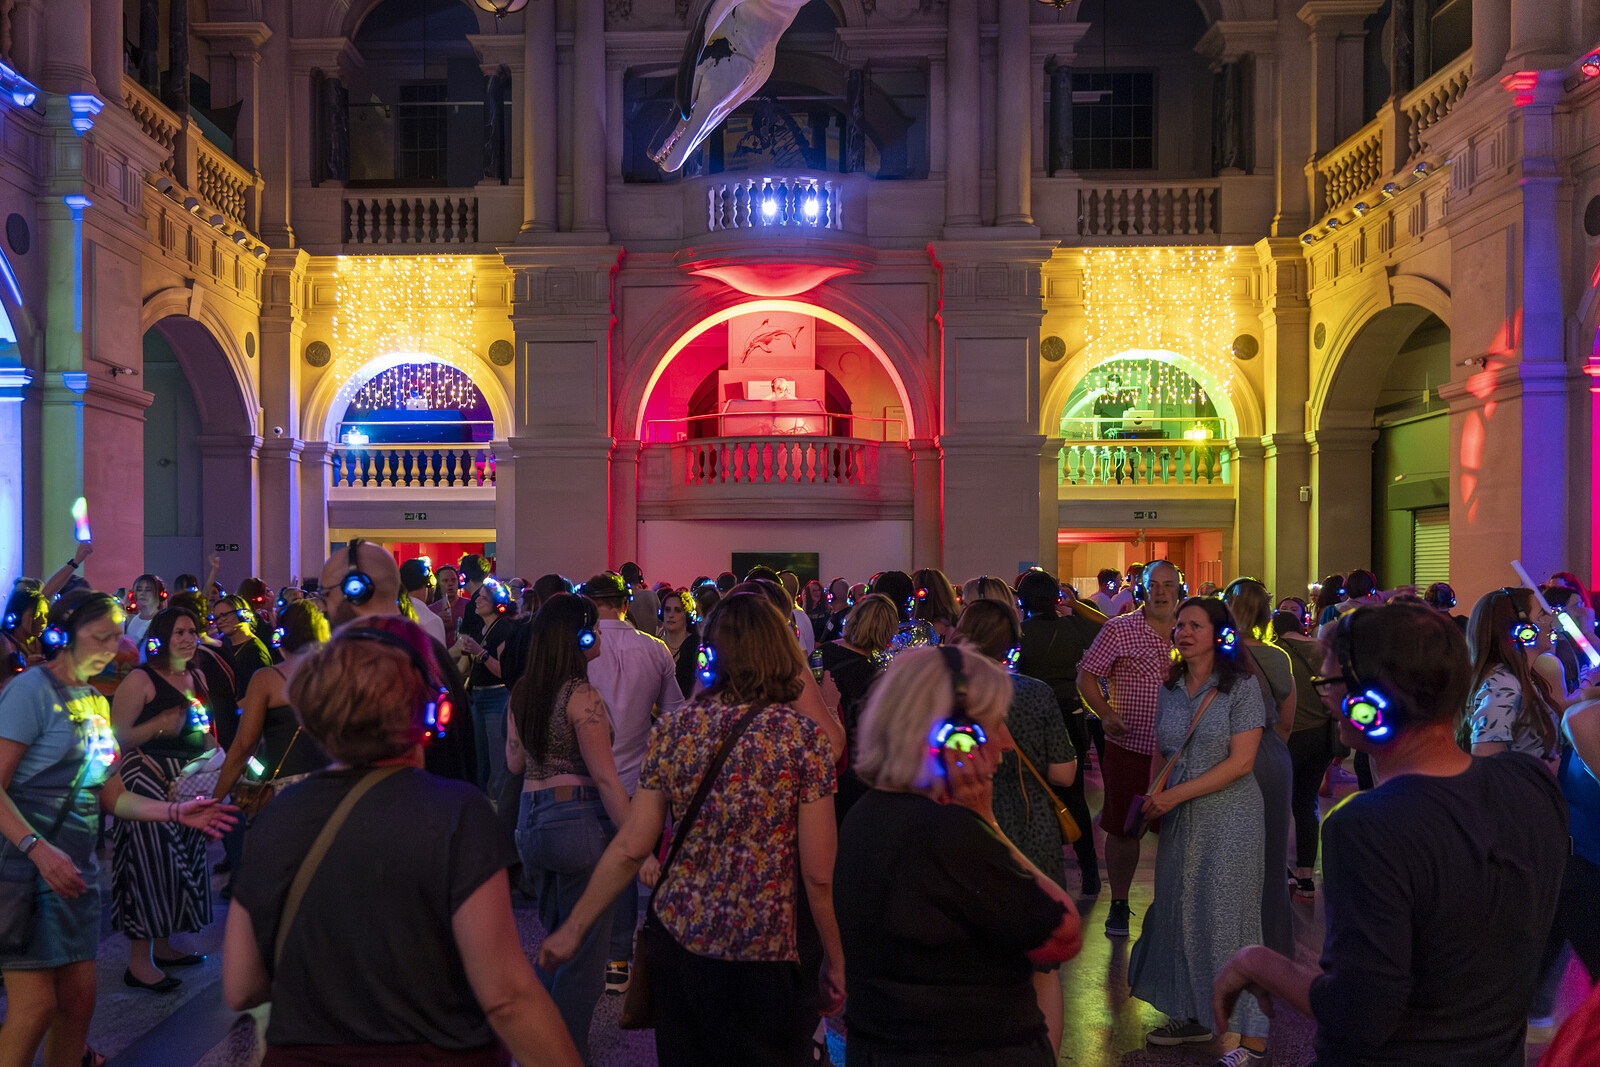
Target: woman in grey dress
x,y
1209,868
1251,606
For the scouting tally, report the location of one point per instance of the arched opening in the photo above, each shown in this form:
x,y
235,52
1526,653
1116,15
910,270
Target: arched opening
x,y
874,402
174,482
1147,394
416,402
1383,462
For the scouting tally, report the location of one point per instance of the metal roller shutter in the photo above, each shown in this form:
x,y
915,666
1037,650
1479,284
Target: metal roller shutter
x,y
1430,546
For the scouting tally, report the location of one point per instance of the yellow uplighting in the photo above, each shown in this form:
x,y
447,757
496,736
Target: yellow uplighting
x,y
402,309
1171,299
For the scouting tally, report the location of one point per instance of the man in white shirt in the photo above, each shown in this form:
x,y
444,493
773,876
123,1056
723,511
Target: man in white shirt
x,y
638,680
416,575
1108,580
1125,601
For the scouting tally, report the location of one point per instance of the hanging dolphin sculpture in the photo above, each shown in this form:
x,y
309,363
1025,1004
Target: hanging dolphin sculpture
x,y
730,51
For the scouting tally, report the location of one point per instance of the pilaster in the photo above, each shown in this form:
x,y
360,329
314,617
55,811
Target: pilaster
x,y
316,468
1341,499
1249,521
538,105
278,461
231,459
1286,352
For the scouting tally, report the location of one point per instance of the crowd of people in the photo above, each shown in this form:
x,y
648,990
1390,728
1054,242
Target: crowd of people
x,y
852,801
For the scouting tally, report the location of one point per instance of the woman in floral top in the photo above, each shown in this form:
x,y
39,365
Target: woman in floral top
x,y
726,977
1512,705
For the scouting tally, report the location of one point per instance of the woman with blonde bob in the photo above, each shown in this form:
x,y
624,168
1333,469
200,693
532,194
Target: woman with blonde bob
x,y
408,908
725,965
942,918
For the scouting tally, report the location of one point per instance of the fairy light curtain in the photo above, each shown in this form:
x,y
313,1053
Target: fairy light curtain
x,y
1170,299
419,306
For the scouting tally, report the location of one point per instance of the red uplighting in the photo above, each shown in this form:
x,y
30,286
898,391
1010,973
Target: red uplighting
x,y
1521,86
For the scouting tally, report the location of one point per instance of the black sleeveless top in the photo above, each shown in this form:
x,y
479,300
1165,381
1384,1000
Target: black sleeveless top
x,y
281,750
191,740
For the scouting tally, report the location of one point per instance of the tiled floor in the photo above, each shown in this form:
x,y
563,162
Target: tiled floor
x,y
1104,1027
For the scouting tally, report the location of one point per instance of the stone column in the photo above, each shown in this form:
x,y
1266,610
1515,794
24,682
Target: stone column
x,y
927,540
1250,516
1014,146
1402,48
962,142
1491,38
14,382
64,41
616,107
938,118
538,104
1341,499
624,502
278,461
275,158
552,499
177,95
589,114
149,45
316,468
65,379
1538,39
989,423
1286,352
106,49
231,459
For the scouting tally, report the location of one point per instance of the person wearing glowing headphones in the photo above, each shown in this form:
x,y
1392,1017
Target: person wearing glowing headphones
x,y
1513,705
1440,883
27,613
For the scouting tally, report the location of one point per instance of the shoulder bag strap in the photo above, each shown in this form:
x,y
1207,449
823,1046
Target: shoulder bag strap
x,y
1161,780
707,780
1026,762
319,849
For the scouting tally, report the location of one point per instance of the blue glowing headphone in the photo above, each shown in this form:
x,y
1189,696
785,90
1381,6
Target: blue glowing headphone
x,y
1368,706
277,637
685,601
152,647
10,621
1013,658
1227,640
356,586
1524,632
705,666
55,638
960,734
501,595
587,635
438,708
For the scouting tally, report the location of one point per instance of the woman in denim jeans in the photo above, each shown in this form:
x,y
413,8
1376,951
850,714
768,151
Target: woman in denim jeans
x,y
558,738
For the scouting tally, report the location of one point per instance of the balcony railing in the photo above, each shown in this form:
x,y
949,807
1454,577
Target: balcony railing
x,y
215,179
411,218
412,467
776,460
1353,167
1118,463
768,477
1433,100
752,203
1131,426
1149,209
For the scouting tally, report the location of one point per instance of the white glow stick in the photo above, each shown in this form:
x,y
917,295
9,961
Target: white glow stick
x,y
1568,623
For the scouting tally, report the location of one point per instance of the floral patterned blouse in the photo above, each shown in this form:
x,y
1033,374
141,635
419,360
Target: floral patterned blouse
x,y
1495,707
730,894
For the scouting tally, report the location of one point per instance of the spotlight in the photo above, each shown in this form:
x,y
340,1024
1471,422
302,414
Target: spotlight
x,y
769,207
1333,224
191,203
1388,188
163,184
217,219
23,97
1591,65
239,238
1360,208
1420,169
1306,238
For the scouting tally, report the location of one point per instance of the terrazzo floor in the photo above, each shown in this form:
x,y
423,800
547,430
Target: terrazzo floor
x,y
1104,1026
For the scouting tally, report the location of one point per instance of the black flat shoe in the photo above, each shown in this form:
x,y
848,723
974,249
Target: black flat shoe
x,y
182,961
166,985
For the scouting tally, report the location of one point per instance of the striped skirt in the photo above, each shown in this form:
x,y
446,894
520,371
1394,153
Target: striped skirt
x,y
159,883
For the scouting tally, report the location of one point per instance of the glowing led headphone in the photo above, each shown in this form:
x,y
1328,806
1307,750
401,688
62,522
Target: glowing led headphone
x,y
356,586
152,647
436,713
1013,658
1524,632
1366,705
960,734
277,637
55,638
500,594
10,621
1227,640
586,633
705,666
685,601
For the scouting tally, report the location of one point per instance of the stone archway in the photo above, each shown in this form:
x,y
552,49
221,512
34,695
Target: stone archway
x,y
319,418
1344,399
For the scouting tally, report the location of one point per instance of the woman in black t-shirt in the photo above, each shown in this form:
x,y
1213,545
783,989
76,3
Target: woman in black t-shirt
x,y
405,931
942,919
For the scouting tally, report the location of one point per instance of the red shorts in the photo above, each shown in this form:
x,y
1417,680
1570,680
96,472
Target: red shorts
x,y
1126,775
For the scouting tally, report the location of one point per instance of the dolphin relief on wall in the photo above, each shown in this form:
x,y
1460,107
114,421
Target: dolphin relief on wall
x,y
729,54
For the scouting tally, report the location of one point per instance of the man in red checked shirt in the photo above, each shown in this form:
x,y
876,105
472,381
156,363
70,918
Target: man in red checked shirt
x,y
1133,653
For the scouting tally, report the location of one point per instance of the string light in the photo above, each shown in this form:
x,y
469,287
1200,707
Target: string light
x,y
423,386
405,310
1177,300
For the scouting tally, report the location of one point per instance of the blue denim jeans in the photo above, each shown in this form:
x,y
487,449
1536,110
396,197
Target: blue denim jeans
x,y
489,736
560,843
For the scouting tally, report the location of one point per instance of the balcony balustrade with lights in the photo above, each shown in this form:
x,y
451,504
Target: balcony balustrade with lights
x,y
1150,457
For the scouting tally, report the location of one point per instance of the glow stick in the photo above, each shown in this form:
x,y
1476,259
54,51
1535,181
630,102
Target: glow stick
x,y
80,519
1568,623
